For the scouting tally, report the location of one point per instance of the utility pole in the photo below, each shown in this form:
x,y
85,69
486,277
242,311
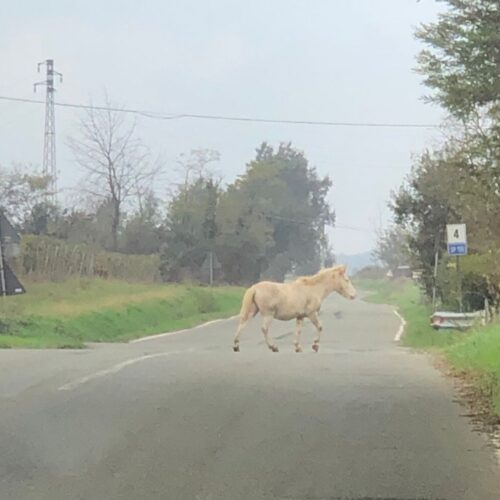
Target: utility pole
x,y
211,271
322,244
49,144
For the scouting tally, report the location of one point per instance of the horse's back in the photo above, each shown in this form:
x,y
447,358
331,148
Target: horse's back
x,y
269,291
282,300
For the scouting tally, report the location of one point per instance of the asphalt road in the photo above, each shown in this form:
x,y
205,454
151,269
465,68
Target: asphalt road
x,y
183,417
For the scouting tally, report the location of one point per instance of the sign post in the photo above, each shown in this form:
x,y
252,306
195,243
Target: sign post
x,y
457,246
210,265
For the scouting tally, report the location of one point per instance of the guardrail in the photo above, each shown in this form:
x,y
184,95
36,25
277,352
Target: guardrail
x,y
457,321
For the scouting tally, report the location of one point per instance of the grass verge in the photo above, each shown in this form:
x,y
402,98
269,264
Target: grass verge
x,y
477,356
69,314
473,355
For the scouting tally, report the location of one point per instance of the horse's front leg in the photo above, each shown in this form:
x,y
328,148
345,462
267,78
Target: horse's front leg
x,y
298,331
319,328
265,330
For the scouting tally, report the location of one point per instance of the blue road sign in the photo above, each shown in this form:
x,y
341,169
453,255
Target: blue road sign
x,y
457,248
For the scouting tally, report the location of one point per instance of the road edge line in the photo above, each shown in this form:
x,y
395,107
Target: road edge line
x,y
401,328
177,332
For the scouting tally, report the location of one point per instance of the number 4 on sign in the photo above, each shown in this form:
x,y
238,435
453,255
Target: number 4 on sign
x,y
457,239
456,233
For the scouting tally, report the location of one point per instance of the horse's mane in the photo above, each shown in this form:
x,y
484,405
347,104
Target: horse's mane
x,y
318,277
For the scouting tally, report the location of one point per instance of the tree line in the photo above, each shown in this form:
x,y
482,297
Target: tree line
x,y
268,222
459,181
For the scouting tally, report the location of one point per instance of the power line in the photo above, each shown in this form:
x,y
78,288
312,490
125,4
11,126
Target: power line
x,y
353,228
310,222
159,115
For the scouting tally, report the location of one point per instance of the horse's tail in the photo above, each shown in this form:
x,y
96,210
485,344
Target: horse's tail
x,y
249,307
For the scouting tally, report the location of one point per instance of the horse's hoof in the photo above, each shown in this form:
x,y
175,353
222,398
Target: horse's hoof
x,y
274,348
315,347
298,349
236,348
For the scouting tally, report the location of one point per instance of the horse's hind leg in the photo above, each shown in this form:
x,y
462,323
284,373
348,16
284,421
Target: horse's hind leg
x,y
245,317
265,330
298,331
319,328
236,341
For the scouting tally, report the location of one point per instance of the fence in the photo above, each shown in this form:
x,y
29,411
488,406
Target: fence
x,y
48,259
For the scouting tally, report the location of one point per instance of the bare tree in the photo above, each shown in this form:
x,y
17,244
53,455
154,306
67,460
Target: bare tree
x,y
117,164
195,165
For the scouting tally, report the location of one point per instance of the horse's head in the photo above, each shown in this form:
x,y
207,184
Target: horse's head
x,y
344,285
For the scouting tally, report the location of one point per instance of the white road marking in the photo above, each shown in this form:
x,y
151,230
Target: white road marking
x,y
496,444
401,329
116,368
169,334
120,366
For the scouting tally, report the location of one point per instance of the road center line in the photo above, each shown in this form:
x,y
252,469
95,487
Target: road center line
x,y
115,369
170,334
401,328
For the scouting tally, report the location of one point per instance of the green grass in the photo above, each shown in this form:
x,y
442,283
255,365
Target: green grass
x,y
478,356
475,353
72,313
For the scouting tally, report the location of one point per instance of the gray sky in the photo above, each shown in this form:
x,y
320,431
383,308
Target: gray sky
x,y
332,60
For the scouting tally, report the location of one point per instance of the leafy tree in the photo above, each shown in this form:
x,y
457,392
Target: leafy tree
x,y
268,222
243,237
142,232
195,165
448,186
190,229
273,214
392,248
461,182
20,192
91,226
43,219
75,226
462,61
423,206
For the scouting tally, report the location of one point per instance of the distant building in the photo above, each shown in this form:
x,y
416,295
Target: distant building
x,y
402,272
416,275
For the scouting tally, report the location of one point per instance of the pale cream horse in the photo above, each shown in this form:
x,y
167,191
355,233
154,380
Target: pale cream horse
x,y
297,300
